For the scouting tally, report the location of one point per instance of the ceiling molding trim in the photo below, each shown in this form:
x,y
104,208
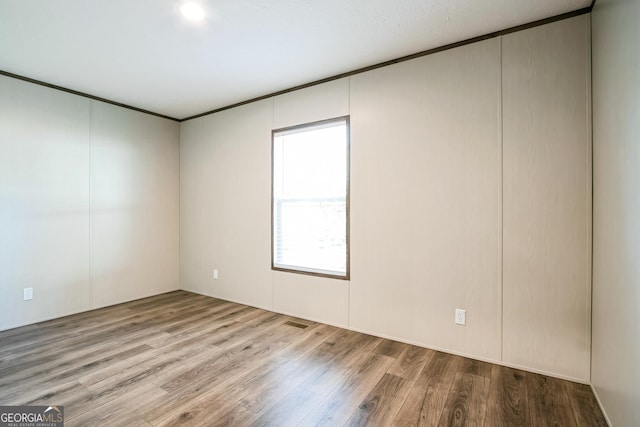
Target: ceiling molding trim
x,y
85,95
522,27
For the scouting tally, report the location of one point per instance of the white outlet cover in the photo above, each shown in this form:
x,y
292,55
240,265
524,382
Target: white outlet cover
x,y
215,274
27,294
461,317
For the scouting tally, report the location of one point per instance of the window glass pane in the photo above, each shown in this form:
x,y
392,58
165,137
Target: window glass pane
x,y
310,167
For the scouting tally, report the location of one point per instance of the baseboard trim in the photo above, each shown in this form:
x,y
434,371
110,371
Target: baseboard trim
x,y
475,357
604,413
375,334
271,309
74,312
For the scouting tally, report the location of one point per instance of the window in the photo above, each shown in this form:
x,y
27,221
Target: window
x,y
310,204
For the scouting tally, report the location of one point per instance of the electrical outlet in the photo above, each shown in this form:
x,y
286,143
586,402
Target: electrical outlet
x,y
461,317
27,293
215,274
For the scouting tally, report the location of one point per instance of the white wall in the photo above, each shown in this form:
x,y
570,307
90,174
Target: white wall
x,y
89,203
615,370
134,204
428,171
44,202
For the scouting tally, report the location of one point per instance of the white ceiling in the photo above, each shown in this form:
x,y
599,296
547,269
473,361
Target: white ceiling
x,y
143,53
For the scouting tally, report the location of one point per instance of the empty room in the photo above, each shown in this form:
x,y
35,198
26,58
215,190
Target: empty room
x,y
303,213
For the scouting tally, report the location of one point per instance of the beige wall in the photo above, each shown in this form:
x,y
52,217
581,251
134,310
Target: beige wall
x,y
225,217
615,368
89,203
547,197
429,168
322,299
134,204
225,190
426,200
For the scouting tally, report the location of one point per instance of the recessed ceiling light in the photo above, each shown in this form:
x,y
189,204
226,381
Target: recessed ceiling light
x,y
192,11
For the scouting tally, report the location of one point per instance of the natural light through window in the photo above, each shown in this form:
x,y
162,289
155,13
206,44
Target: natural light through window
x,y
310,198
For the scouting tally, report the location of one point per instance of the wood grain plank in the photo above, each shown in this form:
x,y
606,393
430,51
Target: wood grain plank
x,y
349,349
584,404
382,403
290,410
411,362
391,348
338,406
549,402
467,400
427,398
196,390
256,389
117,412
508,400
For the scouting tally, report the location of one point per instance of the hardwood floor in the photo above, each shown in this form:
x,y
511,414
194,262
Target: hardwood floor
x,y
186,359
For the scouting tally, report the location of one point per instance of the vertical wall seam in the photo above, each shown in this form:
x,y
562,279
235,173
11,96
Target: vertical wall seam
x,y
203,270
91,281
350,194
179,205
589,89
273,273
501,118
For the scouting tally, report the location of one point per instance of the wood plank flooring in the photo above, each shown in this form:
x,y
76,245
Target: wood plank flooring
x,y
186,359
